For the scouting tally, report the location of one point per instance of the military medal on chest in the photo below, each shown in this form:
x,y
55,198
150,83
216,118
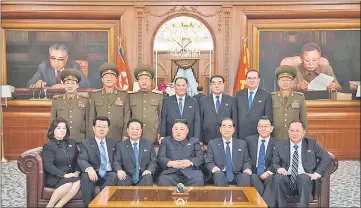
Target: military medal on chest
x,y
81,104
295,104
118,101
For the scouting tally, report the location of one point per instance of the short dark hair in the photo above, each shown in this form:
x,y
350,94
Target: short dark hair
x,y
54,123
199,88
181,78
101,118
216,76
226,119
253,70
265,118
311,47
183,121
297,121
134,120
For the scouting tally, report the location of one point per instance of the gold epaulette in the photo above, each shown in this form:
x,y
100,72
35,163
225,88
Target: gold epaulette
x,y
83,94
299,93
58,96
157,92
273,93
132,92
97,90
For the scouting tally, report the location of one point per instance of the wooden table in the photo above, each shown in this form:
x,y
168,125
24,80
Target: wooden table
x,y
161,196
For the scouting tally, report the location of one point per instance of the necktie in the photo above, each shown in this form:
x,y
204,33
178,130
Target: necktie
x,y
58,80
136,156
261,162
229,167
250,99
218,104
294,169
103,160
180,105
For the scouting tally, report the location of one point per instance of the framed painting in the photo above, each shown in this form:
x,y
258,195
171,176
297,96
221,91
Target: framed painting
x,y
280,42
27,47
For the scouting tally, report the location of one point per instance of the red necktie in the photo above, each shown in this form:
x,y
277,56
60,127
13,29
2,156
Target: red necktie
x,y
58,80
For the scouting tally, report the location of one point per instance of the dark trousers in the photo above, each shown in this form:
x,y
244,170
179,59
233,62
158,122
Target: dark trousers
x,y
87,186
265,188
178,177
146,180
304,189
240,179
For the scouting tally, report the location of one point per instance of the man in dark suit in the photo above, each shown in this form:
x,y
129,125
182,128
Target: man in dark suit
x,y
135,159
48,73
180,106
214,108
95,159
260,148
227,157
299,163
180,158
200,94
252,103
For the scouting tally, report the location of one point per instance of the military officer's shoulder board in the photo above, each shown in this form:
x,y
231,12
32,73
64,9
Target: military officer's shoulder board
x,y
157,92
273,93
97,90
83,95
299,93
132,92
58,96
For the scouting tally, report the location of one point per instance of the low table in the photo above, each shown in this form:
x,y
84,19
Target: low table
x,y
162,196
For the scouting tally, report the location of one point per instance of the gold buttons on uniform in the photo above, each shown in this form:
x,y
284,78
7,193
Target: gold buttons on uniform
x,y
71,121
71,111
108,112
71,127
71,116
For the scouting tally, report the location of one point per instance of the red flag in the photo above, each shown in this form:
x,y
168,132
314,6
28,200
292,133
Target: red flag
x,y
122,80
240,81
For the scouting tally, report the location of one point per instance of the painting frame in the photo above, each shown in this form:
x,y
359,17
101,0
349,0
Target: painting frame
x,y
109,26
257,26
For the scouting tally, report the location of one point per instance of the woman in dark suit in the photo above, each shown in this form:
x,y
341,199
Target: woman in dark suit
x,y
60,163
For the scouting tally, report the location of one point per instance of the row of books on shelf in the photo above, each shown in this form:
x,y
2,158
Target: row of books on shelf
x,y
16,36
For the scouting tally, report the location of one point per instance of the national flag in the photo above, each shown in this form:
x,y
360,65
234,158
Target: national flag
x,y
244,64
122,80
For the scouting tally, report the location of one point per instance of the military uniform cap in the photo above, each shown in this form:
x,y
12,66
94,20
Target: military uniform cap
x,y
70,74
144,70
286,71
108,68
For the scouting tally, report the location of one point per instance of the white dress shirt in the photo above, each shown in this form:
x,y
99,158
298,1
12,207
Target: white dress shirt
x,y
225,148
109,167
215,100
183,99
292,150
254,93
265,150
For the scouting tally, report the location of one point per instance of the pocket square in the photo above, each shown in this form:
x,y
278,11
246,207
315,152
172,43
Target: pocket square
x,y
226,104
308,150
189,144
190,106
239,150
145,150
113,149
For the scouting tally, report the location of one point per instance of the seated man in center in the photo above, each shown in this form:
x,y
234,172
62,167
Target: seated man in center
x,y
180,158
227,158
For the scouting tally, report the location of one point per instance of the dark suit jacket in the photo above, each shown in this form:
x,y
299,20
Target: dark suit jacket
x,y
210,119
189,148
124,157
89,154
252,144
56,159
170,112
216,156
46,73
248,117
314,157
198,96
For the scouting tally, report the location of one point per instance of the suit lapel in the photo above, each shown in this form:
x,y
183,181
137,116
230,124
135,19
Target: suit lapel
x,y
74,102
289,99
110,150
235,147
280,99
303,153
175,106
254,150
223,103
211,103
50,73
287,149
141,149
112,97
96,148
254,100
269,147
130,150
221,150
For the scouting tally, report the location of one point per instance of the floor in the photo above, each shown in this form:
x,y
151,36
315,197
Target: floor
x,y
345,185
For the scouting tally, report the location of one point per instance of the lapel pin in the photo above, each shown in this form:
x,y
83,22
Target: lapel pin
x,y
239,150
189,144
219,144
127,146
260,101
113,149
70,145
190,106
145,150
226,104
308,150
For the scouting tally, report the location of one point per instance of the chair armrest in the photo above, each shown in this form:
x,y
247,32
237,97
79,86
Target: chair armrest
x,y
334,163
31,163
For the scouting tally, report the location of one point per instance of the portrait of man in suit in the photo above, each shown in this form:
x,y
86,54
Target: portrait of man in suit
x,y
135,159
95,160
180,157
252,103
180,106
260,147
48,73
227,157
299,162
214,108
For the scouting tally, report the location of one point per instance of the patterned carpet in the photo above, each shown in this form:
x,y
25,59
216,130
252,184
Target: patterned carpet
x,y
345,185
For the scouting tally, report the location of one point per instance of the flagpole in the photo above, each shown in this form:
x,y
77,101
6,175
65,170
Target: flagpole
x,y
156,69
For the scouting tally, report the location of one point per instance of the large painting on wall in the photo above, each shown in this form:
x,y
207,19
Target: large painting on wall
x,y
340,49
27,51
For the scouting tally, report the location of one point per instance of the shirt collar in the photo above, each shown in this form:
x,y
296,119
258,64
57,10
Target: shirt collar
x,y
224,140
132,142
99,140
220,96
261,138
254,91
293,144
183,97
304,71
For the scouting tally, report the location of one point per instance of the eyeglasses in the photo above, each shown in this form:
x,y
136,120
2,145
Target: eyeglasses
x,y
263,127
60,60
252,78
101,127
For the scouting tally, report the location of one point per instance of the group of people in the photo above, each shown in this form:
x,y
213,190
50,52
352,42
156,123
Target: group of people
x,y
251,139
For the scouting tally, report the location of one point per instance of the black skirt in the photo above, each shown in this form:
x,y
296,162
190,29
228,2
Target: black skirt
x,y
63,181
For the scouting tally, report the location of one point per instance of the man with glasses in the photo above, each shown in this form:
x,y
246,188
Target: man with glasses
x,y
310,68
260,149
48,73
287,105
252,103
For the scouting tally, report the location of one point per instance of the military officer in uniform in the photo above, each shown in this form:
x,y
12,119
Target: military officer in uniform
x,y
287,105
110,101
146,104
72,106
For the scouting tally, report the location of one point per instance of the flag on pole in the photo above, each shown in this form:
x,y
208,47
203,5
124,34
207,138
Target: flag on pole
x,y
122,80
244,64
